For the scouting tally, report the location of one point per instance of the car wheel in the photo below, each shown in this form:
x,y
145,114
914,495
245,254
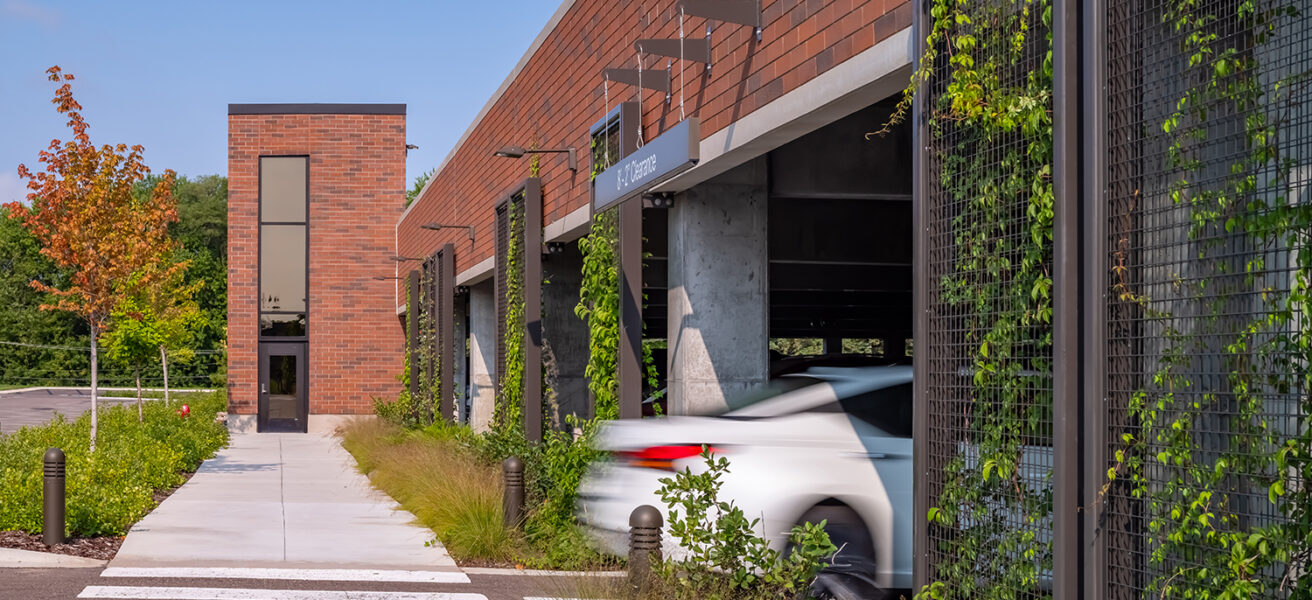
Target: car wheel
x,y
851,576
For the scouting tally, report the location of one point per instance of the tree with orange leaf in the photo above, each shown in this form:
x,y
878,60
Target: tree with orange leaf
x,y
86,218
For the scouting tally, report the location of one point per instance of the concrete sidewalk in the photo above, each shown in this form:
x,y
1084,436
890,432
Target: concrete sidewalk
x,y
281,501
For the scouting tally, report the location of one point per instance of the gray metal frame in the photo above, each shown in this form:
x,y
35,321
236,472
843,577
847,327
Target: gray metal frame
x,y
921,20
445,304
412,317
1068,348
533,249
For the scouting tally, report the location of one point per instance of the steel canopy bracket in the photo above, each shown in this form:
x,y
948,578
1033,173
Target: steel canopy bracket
x,y
651,79
695,50
742,12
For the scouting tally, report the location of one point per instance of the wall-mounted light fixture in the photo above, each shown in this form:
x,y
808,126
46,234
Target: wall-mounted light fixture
x,y
555,247
409,147
518,152
439,226
385,278
461,290
402,258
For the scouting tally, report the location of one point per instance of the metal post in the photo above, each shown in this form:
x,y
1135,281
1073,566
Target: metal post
x,y
1068,362
920,183
412,316
645,523
512,503
533,309
630,359
445,324
1095,311
52,515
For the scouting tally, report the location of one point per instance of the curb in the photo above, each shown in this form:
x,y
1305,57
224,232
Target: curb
x,y
103,389
14,558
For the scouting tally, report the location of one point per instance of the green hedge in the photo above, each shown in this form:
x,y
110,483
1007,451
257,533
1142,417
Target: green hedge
x,y
110,489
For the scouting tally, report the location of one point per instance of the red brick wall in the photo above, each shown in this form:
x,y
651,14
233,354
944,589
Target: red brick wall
x,y
357,189
559,95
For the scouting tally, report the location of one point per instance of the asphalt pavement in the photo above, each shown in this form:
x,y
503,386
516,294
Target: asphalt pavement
x,y
19,408
65,584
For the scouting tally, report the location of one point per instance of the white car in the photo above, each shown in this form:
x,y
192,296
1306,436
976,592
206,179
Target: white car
x,y
828,443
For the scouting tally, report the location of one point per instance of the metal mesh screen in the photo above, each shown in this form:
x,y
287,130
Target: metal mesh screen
x,y
441,328
1209,168
425,359
988,336
503,243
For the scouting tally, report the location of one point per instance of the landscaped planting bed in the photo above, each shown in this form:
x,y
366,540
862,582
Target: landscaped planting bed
x,y
135,465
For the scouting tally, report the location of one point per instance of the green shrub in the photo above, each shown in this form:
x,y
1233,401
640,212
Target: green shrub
x,y
725,556
112,488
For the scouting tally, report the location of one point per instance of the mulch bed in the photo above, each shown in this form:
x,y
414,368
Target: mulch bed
x,y
101,548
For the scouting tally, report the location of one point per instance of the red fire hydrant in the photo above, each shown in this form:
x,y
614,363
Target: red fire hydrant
x,y
184,411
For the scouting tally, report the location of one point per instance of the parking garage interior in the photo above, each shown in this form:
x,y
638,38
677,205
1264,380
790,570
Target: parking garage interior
x,y
800,256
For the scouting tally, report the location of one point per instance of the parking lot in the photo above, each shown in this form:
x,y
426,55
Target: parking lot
x,y
34,406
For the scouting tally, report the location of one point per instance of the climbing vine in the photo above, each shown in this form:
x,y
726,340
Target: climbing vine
x,y
509,415
990,121
1218,426
1205,452
599,306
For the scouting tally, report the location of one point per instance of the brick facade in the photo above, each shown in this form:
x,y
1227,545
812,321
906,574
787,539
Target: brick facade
x,y
559,94
356,193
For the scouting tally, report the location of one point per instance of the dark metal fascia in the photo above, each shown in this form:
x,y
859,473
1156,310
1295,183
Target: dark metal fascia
x,y
316,109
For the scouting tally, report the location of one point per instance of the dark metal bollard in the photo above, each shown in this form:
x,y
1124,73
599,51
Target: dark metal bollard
x,y
52,514
512,504
645,523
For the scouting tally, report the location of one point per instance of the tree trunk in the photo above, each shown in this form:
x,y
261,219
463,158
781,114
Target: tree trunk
x,y
164,362
136,371
95,385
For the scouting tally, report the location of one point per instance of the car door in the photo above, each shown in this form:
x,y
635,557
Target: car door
x,y
882,420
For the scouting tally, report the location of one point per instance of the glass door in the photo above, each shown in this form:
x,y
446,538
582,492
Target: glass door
x,y
284,404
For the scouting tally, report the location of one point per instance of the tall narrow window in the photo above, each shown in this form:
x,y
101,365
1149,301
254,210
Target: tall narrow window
x,y
284,247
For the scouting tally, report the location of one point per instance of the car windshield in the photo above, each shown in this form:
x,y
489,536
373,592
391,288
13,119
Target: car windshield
x,y
773,389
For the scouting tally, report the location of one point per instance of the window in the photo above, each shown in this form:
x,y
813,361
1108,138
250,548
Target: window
x,y
284,299
888,408
784,347
863,346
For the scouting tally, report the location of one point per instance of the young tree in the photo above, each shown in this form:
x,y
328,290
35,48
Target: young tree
x,y
132,337
153,318
84,215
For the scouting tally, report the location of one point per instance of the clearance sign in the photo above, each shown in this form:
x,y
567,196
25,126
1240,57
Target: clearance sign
x,y
671,153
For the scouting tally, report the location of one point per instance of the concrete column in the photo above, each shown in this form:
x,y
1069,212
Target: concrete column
x,y
718,290
566,334
482,354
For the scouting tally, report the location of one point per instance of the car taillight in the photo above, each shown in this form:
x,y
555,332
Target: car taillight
x,y
660,457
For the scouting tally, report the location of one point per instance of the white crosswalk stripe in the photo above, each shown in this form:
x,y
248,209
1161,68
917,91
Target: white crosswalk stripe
x,y
198,593
372,575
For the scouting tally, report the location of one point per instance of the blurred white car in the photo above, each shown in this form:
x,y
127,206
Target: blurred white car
x,y
828,443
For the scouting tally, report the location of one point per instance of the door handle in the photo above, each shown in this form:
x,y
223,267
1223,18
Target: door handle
x,y
264,388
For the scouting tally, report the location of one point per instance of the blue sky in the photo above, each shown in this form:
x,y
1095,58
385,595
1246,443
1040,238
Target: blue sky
x,y
161,74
